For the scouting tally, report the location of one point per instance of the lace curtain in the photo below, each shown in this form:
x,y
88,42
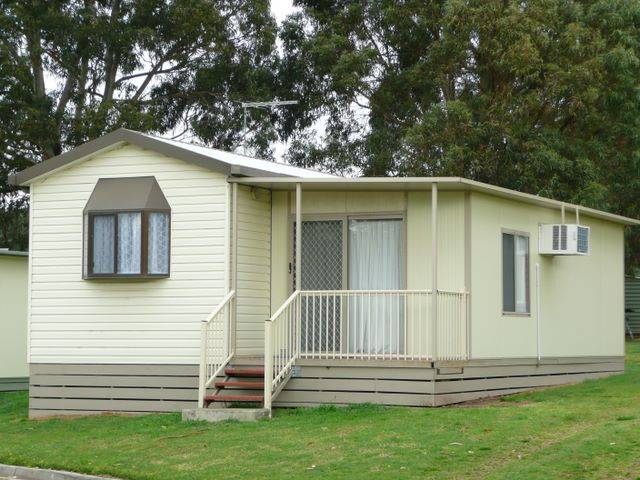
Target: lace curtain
x,y
103,238
129,230
158,243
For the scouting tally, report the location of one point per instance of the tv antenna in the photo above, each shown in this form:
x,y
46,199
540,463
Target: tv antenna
x,y
264,105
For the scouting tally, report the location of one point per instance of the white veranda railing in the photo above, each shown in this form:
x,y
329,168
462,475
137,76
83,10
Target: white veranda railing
x,y
364,325
382,325
282,346
216,343
452,328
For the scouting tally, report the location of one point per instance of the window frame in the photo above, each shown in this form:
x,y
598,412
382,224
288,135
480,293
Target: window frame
x,y
144,245
527,235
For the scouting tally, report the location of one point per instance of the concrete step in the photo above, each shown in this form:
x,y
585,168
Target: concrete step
x,y
222,414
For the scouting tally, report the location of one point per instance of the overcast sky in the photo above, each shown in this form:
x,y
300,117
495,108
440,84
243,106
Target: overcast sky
x,y
281,8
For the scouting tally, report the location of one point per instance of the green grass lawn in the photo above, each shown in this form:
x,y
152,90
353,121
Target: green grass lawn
x,y
591,430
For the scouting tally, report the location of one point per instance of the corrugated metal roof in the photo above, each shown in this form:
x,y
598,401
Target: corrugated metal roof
x,y
210,158
245,160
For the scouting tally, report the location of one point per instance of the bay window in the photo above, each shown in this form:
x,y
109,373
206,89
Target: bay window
x,y
127,225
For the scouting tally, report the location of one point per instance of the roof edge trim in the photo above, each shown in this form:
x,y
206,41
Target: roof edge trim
x,y
466,184
123,136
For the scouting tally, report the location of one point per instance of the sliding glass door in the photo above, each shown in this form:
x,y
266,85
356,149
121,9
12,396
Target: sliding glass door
x,y
376,263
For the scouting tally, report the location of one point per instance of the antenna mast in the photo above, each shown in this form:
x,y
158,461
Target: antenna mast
x,y
265,105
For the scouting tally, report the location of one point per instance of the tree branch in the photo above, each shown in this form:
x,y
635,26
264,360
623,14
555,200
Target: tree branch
x,y
156,70
65,96
150,72
377,47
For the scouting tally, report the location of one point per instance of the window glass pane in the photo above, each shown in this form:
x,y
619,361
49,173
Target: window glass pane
x,y
129,232
158,243
103,248
508,273
521,273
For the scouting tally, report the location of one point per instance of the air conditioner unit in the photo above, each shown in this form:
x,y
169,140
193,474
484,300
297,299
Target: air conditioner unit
x,y
564,239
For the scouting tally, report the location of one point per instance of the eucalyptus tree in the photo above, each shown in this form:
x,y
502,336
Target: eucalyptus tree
x,y
537,95
73,70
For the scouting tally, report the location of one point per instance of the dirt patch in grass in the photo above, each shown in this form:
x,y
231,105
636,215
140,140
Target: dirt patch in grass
x,y
505,401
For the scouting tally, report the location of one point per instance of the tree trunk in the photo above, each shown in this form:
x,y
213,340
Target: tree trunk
x,y
111,59
34,47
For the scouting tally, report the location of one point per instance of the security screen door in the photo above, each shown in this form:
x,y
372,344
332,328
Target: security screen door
x,y
375,262
322,269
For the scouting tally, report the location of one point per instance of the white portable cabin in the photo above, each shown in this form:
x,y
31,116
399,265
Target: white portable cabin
x,y
165,275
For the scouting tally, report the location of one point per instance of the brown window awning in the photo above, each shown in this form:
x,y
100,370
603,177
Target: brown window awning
x,y
128,193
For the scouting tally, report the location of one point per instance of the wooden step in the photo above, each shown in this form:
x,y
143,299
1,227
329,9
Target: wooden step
x,y
244,371
233,398
246,384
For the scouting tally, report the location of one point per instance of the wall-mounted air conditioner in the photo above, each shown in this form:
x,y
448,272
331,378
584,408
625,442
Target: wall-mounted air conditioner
x,y
564,239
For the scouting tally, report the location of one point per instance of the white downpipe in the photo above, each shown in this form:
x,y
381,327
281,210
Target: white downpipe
x,y
298,236
538,315
227,239
577,215
562,214
228,276
233,311
434,270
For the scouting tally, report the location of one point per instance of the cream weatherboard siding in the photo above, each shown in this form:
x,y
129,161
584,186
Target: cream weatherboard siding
x,y
13,321
254,268
280,248
582,298
117,321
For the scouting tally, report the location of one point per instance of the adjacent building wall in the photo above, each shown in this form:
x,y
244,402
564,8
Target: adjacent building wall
x,y
632,303
119,321
581,297
13,321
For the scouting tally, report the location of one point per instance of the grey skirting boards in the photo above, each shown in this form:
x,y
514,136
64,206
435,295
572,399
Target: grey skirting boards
x,y
80,389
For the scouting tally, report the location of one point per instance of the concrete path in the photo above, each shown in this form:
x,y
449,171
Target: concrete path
x,y
12,472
